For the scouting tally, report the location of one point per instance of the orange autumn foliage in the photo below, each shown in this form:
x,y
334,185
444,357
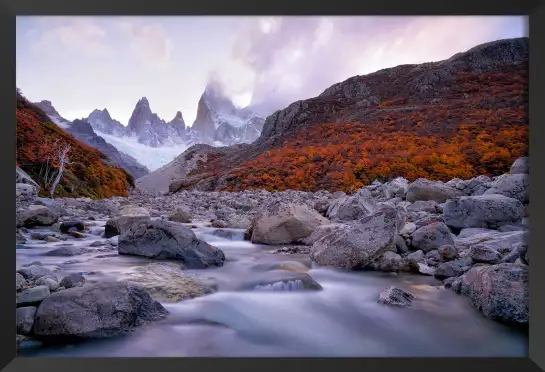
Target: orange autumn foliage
x,y
89,173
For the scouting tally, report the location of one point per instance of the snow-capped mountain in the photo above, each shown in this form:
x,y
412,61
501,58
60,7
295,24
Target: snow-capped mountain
x,y
55,117
219,122
84,131
101,121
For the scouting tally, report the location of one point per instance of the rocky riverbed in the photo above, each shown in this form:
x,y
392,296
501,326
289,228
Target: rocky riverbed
x,y
387,271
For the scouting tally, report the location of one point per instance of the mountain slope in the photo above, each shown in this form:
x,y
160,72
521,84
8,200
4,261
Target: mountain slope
x,y
84,132
454,118
101,121
89,174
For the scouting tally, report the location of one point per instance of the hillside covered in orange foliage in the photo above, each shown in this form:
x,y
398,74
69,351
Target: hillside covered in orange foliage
x,y
89,173
458,118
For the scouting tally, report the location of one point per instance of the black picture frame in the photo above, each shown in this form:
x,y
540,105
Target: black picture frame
x,y
533,8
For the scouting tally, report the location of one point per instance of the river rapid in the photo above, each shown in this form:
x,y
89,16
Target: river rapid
x,y
342,320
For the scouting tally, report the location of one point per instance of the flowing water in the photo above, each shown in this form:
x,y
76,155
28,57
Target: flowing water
x,y
342,320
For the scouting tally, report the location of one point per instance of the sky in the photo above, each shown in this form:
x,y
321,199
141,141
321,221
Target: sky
x,y
86,63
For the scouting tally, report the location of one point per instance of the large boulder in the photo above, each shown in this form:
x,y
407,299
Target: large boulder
x,y
521,166
279,223
32,296
448,270
499,291
34,272
72,281
432,237
486,211
358,244
500,241
350,208
37,215
169,240
482,253
128,216
24,190
95,311
516,186
422,189
429,206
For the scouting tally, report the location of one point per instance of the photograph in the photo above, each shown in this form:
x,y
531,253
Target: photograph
x,y
272,186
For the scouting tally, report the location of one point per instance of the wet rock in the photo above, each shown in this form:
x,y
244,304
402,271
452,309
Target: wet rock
x,y
72,281
35,271
52,239
279,223
422,189
51,283
431,237
482,253
167,282
499,291
36,215
286,265
77,235
95,311
521,166
281,280
170,240
32,296
219,224
485,211
448,270
359,244
97,243
180,215
516,186
66,226
64,252
114,241
393,296
25,319
425,269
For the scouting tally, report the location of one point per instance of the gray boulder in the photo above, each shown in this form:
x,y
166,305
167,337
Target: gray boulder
x,y
34,272
432,237
388,262
22,177
499,291
350,208
448,252
37,215
170,240
482,253
393,296
95,311
32,296
24,190
25,319
521,166
448,270
359,244
422,189
485,211
72,281
279,223
51,283
516,186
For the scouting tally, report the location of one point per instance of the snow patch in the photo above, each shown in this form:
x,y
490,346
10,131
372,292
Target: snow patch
x,y
151,157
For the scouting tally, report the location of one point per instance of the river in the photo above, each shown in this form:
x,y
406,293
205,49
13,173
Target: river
x,y
342,320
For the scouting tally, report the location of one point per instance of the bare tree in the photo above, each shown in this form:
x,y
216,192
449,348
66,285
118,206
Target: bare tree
x,y
63,160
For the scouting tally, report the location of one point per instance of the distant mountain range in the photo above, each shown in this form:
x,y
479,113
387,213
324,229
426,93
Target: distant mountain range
x,y
218,123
